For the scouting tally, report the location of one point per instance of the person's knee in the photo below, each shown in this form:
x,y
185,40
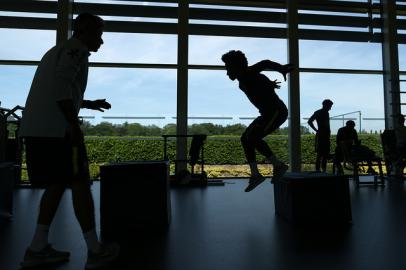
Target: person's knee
x,y
244,138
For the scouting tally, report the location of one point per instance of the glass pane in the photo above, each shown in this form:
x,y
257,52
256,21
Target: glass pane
x,y
207,50
23,44
345,55
133,93
15,83
402,57
137,48
350,93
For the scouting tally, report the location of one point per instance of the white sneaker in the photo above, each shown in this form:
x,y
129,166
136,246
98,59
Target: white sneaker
x,y
106,254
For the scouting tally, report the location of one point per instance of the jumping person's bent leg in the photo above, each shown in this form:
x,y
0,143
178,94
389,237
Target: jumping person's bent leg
x,y
272,123
248,141
248,147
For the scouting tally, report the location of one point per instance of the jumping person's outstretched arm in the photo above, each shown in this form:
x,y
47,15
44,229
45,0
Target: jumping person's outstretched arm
x,y
274,66
98,104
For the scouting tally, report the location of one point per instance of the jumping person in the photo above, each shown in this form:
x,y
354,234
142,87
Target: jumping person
x,y
323,132
55,149
273,112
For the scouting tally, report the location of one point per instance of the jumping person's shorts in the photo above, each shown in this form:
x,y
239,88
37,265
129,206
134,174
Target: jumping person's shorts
x,y
55,160
265,124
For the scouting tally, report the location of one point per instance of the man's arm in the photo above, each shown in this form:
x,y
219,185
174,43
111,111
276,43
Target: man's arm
x,y
310,122
98,104
355,138
71,117
273,66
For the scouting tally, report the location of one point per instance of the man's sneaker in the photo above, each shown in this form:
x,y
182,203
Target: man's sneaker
x,y
279,171
106,254
47,255
254,182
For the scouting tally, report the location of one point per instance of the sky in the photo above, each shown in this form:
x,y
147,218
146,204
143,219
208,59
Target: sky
x,y
152,92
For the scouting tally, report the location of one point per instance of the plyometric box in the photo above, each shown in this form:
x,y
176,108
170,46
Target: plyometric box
x,y
134,195
7,178
313,198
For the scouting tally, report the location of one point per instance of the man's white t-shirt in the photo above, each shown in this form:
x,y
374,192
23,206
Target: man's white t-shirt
x,y
61,74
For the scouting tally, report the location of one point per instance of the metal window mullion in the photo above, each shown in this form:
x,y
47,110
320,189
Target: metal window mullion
x,y
64,20
390,60
182,85
294,88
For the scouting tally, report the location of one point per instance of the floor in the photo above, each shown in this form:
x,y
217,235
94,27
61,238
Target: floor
x,y
221,227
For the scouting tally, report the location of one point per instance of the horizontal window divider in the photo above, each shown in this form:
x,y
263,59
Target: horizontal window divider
x,y
27,23
133,117
28,6
342,71
120,10
133,65
198,67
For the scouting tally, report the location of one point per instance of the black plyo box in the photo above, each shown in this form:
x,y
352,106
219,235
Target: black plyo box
x,y
134,195
7,179
313,198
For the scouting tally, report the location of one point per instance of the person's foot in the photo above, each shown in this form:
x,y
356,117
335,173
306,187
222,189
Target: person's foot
x,y
47,255
254,182
279,171
106,254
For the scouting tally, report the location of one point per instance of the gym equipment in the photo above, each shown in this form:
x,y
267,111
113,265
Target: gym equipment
x,y
313,199
196,156
7,176
134,195
10,160
11,147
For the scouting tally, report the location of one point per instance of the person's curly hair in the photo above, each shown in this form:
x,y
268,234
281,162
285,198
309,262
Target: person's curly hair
x,y
327,102
235,58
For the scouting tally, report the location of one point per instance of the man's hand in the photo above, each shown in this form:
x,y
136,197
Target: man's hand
x,y
98,104
286,69
276,84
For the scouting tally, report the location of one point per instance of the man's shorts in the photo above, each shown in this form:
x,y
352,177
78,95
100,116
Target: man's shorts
x,y
264,125
55,160
322,144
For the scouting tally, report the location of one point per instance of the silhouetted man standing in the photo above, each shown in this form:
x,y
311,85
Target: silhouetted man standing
x,y
273,112
323,132
55,150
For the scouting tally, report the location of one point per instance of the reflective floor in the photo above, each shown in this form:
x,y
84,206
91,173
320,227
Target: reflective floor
x,y
221,227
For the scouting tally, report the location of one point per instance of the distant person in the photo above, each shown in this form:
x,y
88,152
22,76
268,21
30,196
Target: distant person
x,y
323,132
273,112
400,134
55,150
347,137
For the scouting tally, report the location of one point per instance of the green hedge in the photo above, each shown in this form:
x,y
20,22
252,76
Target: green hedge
x,y
218,149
